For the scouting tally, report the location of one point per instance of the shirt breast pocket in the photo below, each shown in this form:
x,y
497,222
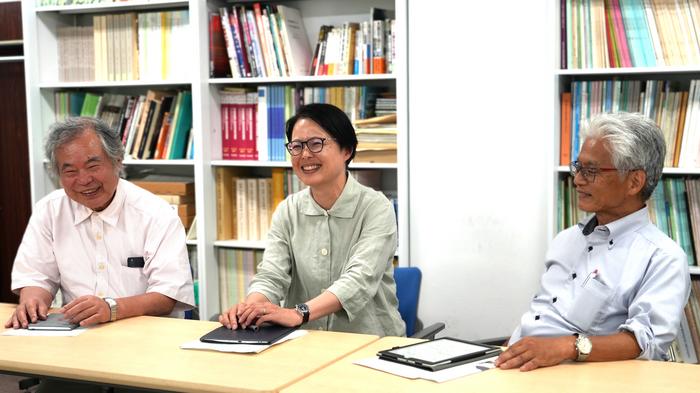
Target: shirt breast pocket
x,y
133,280
588,303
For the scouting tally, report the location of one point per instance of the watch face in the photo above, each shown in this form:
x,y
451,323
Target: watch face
x,y
303,310
584,345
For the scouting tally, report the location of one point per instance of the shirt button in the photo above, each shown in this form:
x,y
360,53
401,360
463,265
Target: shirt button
x,y
98,237
324,252
100,294
537,317
101,266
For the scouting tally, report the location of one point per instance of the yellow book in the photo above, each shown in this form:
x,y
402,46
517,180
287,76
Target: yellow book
x,y
133,37
277,187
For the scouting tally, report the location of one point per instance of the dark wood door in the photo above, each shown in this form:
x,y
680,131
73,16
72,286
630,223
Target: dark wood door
x,y
15,195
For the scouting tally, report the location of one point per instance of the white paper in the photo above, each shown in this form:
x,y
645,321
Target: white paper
x,y
410,372
44,333
239,348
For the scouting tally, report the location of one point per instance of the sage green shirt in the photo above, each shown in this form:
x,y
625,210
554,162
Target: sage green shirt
x,y
347,250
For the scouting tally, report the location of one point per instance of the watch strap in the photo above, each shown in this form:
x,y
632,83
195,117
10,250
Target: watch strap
x,y
112,308
303,310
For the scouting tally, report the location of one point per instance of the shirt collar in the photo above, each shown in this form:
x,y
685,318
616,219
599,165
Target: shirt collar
x,y
617,228
110,215
344,206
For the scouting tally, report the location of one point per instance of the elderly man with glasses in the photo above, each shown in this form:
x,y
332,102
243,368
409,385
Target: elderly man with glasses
x,y
614,285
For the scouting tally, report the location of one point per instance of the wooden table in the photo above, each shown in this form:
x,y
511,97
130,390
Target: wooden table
x,y
635,376
144,352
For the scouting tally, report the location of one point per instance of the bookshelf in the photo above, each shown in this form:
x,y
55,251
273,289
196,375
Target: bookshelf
x,y
672,107
41,43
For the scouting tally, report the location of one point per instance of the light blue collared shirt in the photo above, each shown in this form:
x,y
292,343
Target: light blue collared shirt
x,y
602,279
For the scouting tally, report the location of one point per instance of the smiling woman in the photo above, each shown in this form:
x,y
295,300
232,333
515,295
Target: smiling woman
x,y
330,247
330,143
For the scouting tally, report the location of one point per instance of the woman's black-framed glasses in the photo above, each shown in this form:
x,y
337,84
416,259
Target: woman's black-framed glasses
x,y
315,145
588,173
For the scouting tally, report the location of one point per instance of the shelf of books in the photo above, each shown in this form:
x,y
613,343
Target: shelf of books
x,y
638,56
199,92
260,73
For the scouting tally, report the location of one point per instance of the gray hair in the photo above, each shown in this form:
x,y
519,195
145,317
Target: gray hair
x,y
66,131
634,142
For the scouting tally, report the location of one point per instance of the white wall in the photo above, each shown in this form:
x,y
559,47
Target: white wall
x,y
481,138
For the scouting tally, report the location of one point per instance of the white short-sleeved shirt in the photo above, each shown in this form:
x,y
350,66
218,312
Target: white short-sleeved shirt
x,y
603,279
69,246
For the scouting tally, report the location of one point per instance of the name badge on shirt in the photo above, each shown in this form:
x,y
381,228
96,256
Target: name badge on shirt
x,y
135,262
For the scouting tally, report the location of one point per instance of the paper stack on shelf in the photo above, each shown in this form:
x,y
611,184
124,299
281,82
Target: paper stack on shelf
x,y
376,139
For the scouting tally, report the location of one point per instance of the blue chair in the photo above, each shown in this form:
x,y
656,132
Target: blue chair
x,y
408,281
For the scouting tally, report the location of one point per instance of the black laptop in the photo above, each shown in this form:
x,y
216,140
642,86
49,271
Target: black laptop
x,y
262,335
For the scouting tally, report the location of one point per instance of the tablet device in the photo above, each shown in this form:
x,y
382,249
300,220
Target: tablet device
x,y
439,354
262,335
53,322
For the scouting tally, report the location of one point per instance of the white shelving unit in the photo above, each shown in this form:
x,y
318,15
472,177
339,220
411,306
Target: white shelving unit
x,y
563,79
41,59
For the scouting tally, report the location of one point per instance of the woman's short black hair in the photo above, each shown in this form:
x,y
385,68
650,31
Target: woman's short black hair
x,y
333,120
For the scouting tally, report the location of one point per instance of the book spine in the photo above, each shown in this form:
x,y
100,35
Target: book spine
x,y
228,38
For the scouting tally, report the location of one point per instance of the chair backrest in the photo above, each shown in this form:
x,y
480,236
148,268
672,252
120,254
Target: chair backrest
x,y
407,291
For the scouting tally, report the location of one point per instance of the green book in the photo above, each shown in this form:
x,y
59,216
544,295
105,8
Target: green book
x,y
182,127
90,105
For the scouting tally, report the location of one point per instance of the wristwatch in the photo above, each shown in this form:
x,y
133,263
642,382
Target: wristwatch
x,y
112,308
303,310
583,346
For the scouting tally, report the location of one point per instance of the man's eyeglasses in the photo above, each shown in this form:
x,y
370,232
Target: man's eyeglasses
x,y
315,145
588,173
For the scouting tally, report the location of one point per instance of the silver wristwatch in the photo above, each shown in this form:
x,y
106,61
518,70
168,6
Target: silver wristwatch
x,y
112,308
583,346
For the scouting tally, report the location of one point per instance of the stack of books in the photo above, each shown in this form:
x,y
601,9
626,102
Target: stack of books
x,y
178,192
376,139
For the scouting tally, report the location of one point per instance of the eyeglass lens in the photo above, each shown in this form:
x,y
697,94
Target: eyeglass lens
x,y
315,145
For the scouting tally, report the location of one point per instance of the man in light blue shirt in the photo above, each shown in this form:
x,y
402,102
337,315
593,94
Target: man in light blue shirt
x,y
615,285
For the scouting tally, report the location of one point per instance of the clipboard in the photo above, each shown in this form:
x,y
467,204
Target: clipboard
x,y
439,354
53,322
261,335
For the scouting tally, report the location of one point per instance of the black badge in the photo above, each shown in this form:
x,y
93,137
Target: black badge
x,y
135,262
